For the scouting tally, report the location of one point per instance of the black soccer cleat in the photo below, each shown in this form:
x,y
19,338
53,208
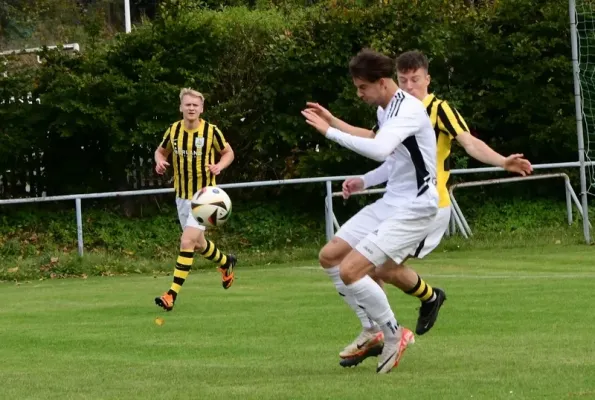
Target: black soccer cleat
x,y
428,312
356,360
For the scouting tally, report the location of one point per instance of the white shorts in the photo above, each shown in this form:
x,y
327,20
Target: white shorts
x,y
437,231
381,231
185,216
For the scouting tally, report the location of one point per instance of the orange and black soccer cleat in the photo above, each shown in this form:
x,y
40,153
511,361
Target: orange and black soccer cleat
x,y
227,271
166,301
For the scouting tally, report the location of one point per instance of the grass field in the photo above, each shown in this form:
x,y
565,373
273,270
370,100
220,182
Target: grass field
x,y
518,324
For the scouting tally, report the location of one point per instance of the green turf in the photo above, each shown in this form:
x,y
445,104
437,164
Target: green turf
x,y
518,324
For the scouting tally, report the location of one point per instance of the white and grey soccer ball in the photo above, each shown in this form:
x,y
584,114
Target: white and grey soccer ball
x,y
211,206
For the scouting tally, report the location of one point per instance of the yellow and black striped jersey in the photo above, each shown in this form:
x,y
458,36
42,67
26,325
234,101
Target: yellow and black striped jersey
x,y
447,123
192,150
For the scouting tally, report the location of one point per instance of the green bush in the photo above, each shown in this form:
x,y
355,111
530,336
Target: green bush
x,y
505,66
40,244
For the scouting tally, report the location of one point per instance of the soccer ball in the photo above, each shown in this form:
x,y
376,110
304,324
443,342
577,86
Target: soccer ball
x,y
211,206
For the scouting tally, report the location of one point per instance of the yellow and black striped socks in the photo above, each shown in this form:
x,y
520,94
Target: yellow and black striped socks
x,y
212,253
181,272
422,291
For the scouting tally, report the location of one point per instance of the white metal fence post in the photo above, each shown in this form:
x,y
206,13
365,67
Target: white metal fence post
x,y
128,23
328,211
79,225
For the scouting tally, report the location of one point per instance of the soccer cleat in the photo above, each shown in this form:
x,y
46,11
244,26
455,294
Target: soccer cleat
x,y
365,341
428,312
227,273
393,351
374,351
166,301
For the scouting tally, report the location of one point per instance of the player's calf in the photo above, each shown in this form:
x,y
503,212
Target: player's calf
x,y
181,272
412,284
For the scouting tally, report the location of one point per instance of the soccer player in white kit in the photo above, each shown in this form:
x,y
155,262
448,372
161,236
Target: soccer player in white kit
x,y
393,227
449,125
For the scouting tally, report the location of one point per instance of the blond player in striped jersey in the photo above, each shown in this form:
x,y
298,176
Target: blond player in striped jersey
x,y
193,144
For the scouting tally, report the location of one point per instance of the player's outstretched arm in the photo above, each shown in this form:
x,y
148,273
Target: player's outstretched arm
x,y
371,178
338,123
451,121
479,150
392,134
377,176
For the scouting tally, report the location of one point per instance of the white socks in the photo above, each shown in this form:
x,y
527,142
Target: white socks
x,y
372,298
346,294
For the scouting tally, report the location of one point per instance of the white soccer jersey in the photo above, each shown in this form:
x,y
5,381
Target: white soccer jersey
x,y
406,144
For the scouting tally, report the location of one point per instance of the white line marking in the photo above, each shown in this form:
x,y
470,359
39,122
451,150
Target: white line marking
x,y
525,274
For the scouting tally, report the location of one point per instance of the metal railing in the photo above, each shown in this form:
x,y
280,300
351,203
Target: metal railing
x,y
457,218
79,197
330,220
462,222
31,50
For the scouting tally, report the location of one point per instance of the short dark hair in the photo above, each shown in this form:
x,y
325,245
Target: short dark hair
x,y
371,66
412,61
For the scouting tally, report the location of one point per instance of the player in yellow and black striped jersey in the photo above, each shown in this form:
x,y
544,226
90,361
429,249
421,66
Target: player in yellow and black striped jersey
x,y
449,125
194,145
193,151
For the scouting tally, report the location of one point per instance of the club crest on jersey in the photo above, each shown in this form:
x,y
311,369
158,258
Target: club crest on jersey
x,y
199,142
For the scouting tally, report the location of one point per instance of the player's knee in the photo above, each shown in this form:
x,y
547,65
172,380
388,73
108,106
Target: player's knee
x,y
324,258
349,273
193,239
188,243
200,243
331,255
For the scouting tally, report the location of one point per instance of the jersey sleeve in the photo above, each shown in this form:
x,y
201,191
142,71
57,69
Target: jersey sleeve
x,y
377,176
391,135
450,121
218,140
166,141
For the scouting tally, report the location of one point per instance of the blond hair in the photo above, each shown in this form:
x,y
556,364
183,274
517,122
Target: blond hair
x,y
191,92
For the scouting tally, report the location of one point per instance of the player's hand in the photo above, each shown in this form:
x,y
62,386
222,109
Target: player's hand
x,y
161,167
316,121
214,168
516,163
321,112
352,185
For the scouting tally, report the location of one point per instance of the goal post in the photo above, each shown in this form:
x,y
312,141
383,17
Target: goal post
x,y
580,46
